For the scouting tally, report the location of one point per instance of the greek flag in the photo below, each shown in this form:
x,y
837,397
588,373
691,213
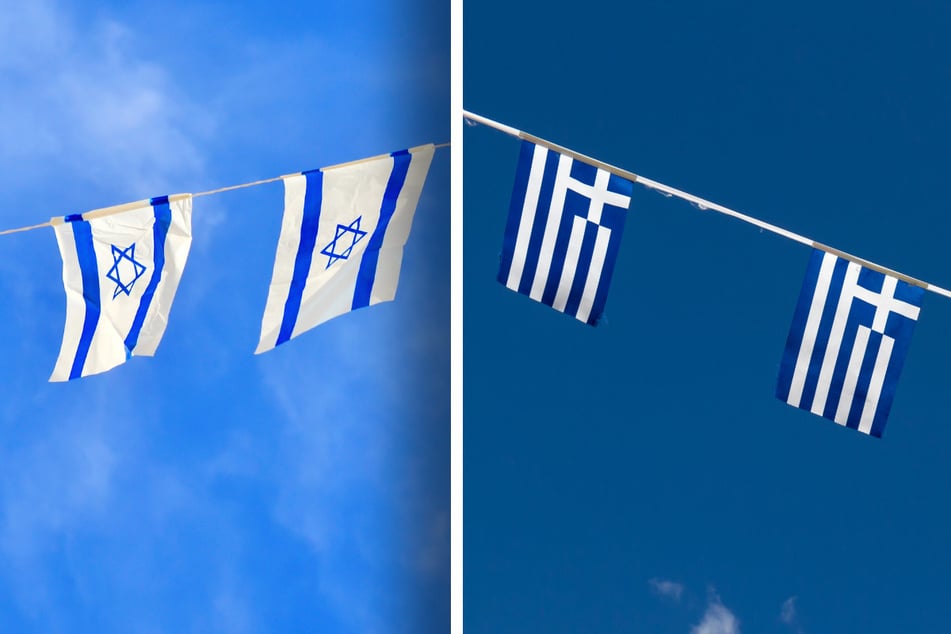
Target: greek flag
x,y
121,268
848,341
341,242
563,232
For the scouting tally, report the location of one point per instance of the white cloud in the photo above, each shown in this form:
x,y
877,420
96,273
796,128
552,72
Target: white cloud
x,y
667,588
350,487
717,620
789,615
82,101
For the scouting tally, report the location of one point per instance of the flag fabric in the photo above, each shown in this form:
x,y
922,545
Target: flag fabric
x,y
341,242
848,341
563,231
121,268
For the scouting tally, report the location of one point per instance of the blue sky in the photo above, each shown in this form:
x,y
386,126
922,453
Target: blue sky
x,y
208,489
641,476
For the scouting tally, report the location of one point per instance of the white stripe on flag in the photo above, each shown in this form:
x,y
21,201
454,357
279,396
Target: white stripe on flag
x,y
572,256
177,245
295,188
812,328
847,395
554,213
835,337
527,220
75,304
878,381
594,273
397,233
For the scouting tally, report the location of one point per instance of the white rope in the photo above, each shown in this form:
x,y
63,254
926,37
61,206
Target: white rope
x,y
105,211
703,203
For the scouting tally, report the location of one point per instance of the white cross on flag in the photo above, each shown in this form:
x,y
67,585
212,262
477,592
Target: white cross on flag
x,y
848,341
563,232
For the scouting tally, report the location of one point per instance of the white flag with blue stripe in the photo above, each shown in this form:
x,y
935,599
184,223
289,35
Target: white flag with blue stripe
x,y
121,269
563,232
341,243
848,341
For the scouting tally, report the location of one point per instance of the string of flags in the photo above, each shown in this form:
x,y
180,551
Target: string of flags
x,y
340,249
851,328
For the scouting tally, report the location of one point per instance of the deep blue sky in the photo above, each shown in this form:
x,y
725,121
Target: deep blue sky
x,y
640,476
208,489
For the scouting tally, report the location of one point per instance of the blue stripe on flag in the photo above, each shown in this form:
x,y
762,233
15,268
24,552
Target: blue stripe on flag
x,y
864,380
581,271
519,190
620,185
367,273
825,329
787,366
163,220
798,328
574,202
310,221
859,313
542,209
86,254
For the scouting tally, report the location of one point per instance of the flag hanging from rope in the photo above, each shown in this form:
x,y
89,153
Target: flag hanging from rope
x,y
341,243
563,232
848,341
120,271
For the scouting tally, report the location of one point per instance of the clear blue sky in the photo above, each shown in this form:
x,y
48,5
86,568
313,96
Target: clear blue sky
x,y
207,489
641,476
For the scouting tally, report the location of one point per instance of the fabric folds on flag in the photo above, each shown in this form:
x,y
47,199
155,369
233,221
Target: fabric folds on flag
x,y
121,269
563,232
848,341
341,242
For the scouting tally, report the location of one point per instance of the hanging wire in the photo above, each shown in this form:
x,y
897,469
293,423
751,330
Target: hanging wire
x,y
228,188
667,190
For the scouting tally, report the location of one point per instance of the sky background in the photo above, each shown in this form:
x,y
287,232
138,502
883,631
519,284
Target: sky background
x,y
207,489
641,476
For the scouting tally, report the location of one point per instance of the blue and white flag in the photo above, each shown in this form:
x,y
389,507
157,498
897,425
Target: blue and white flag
x,y
121,268
563,232
848,342
341,243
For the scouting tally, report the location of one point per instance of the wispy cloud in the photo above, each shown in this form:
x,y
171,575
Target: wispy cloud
x,y
81,100
789,615
667,588
717,619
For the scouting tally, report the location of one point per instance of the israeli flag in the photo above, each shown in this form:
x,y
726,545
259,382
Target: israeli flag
x,y
848,341
341,243
121,268
563,232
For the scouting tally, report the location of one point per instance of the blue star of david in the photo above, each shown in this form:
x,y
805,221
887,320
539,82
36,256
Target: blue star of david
x,y
353,229
117,274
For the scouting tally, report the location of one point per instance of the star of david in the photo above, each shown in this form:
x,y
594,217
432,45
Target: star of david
x,y
342,233
124,267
